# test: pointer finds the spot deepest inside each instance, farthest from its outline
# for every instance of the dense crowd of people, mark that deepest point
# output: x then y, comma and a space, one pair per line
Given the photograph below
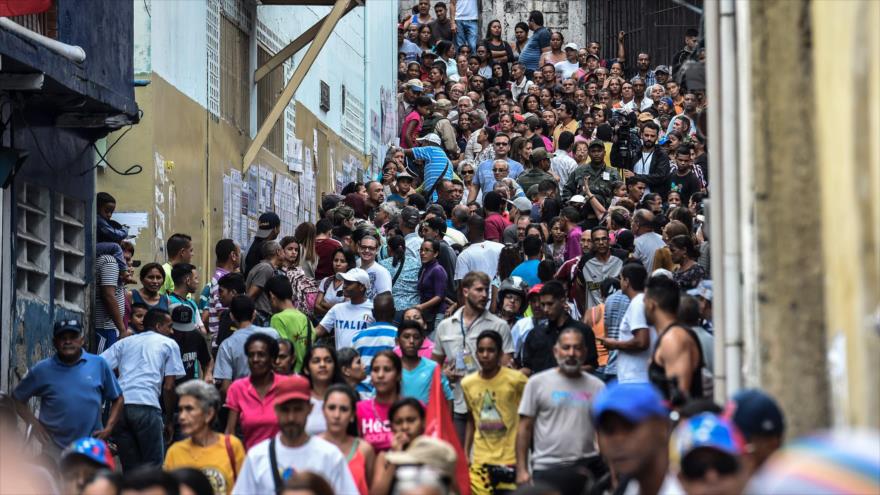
521, 302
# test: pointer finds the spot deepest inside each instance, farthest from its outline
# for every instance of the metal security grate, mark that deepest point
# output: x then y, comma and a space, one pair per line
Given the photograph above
353, 119
213, 48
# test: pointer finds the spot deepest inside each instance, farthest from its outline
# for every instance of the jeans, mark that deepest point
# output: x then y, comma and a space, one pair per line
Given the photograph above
466, 34
140, 437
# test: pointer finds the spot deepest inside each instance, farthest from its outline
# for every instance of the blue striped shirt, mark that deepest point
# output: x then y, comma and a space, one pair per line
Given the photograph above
379, 336
435, 161
615, 307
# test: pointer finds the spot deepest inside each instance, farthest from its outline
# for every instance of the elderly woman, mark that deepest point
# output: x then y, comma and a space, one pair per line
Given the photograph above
219, 457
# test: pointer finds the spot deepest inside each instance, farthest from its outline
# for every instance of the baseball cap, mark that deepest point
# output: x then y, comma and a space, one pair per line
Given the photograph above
522, 204
571, 46
703, 290
429, 53
755, 413
518, 117
404, 175
596, 142
267, 222
182, 317
442, 104
645, 116
93, 449
415, 85
431, 138
539, 154
67, 326
667, 100
531, 119
427, 451
535, 290
578, 199
592, 55
705, 430
290, 388
662, 68
634, 401
410, 217
358, 275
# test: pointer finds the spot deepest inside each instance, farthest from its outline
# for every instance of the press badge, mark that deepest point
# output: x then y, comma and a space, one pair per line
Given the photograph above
606, 176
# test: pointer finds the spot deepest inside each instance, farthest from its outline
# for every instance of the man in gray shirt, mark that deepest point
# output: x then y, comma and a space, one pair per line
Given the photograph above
601, 266
231, 363
647, 241
259, 275
556, 403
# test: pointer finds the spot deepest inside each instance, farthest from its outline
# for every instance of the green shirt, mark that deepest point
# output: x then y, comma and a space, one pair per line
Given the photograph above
600, 183
293, 325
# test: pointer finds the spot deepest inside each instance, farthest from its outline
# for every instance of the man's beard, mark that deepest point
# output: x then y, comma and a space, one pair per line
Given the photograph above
648, 144
569, 366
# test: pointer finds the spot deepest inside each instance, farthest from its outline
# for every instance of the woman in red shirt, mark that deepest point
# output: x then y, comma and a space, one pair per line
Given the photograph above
339, 412
372, 415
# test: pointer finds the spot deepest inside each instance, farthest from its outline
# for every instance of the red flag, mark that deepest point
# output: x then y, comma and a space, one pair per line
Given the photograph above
439, 425
9, 8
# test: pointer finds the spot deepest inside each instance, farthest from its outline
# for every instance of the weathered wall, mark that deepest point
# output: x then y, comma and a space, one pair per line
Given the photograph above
181, 186
848, 168
790, 309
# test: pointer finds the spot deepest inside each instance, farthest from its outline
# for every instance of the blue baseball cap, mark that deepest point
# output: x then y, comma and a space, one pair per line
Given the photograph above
67, 326
94, 449
705, 430
634, 401
755, 413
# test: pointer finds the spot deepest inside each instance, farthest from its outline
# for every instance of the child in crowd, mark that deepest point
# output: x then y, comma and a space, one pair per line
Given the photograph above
136, 322
108, 232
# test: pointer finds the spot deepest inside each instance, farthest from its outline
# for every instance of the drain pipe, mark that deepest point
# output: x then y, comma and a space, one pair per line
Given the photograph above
730, 251
71, 52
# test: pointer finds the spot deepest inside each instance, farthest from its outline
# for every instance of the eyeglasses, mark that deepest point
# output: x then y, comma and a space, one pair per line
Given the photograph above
501, 144
367, 248
424, 250
467, 172
499, 170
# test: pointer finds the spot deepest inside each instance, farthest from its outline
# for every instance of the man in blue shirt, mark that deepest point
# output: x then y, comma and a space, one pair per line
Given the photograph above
418, 372
484, 179
379, 335
537, 44
533, 248
71, 385
148, 363
437, 164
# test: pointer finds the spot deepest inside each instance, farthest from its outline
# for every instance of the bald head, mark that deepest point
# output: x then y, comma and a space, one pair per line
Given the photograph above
645, 220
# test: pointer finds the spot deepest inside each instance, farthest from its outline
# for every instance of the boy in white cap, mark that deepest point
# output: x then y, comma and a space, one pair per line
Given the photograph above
346, 319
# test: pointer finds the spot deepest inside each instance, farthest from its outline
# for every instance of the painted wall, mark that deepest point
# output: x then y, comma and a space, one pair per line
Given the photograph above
187, 154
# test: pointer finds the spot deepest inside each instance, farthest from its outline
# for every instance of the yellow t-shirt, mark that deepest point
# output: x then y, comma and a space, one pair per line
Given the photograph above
494, 406
213, 461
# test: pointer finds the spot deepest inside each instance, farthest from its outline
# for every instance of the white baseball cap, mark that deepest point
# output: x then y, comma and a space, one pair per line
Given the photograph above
571, 46
578, 199
431, 138
358, 275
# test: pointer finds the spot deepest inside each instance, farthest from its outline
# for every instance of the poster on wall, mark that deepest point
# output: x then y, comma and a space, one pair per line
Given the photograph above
375, 126
295, 155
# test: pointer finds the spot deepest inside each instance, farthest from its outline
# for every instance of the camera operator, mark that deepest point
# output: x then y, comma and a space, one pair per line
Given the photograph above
650, 163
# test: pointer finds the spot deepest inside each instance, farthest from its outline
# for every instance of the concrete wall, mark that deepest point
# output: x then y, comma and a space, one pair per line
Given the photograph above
791, 315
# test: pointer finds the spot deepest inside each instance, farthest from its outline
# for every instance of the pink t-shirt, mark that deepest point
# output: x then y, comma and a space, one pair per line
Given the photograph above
409, 118
426, 351
256, 415
573, 243
373, 424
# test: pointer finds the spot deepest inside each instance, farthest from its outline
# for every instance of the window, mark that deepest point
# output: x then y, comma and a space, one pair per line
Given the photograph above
234, 74
32, 235
68, 249
268, 90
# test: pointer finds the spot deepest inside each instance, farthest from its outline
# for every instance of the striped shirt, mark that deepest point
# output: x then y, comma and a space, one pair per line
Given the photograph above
377, 337
107, 273
435, 162
615, 307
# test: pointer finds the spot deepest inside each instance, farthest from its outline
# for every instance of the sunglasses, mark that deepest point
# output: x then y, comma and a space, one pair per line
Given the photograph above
467, 172
501, 144
499, 170
695, 467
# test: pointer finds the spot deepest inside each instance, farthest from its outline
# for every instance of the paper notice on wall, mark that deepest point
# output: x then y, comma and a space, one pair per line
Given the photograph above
134, 220
295, 155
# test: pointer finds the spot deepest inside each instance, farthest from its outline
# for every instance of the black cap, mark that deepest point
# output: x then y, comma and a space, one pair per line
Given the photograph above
67, 326
267, 222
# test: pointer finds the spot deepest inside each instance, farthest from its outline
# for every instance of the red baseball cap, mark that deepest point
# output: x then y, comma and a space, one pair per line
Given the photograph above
536, 289
292, 388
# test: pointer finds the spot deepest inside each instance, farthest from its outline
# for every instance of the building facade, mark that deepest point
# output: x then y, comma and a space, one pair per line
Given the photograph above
65, 83
202, 108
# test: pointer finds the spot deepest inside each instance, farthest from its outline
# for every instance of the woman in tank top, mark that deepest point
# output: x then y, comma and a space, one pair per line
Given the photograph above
152, 279
340, 403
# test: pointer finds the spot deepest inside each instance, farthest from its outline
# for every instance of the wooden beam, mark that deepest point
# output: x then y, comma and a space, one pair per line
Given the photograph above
299, 73
294, 46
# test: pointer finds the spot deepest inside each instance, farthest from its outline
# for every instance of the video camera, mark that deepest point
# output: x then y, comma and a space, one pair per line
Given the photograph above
627, 133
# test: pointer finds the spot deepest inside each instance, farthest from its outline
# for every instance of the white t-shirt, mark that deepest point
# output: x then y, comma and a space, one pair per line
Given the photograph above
466, 10
316, 422
380, 280
479, 257
566, 68
316, 455
347, 319
632, 367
